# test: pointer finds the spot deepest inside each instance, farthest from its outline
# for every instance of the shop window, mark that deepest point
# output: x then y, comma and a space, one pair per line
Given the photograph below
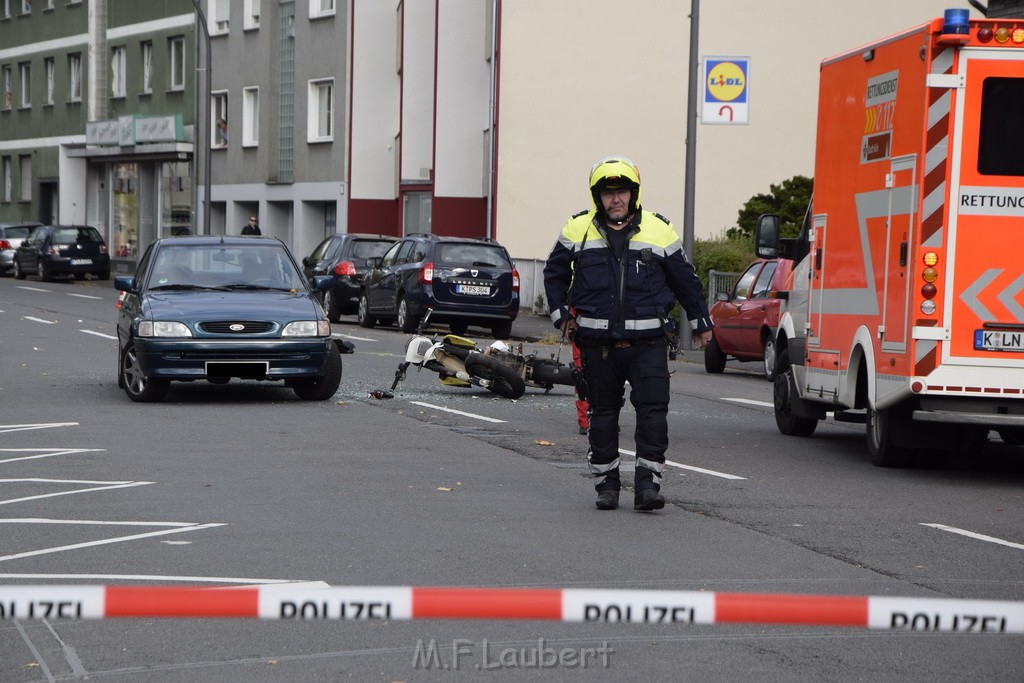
124, 209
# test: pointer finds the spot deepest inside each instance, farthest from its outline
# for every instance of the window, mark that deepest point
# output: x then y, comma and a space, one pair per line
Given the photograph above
218, 13
250, 117
321, 111
763, 285
219, 120
75, 76
8, 93
321, 8
746, 281
251, 17
48, 63
177, 50
26, 6
26, 177
8, 179
147, 67
1001, 137
7, 9
117, 72
25, 69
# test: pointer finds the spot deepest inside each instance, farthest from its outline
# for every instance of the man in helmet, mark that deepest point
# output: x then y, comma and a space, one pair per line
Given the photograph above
620, 270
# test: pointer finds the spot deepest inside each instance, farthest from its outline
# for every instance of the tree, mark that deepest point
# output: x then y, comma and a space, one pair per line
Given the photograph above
788, 200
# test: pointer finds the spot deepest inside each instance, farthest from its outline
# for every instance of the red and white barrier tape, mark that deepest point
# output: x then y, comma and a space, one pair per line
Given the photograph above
361, 603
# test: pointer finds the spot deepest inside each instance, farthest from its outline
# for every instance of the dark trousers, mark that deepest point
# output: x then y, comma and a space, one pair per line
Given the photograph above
608, 367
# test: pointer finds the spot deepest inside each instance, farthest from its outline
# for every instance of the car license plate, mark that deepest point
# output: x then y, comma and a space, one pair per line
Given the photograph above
473, 289
81, 261
998, 340
237, 368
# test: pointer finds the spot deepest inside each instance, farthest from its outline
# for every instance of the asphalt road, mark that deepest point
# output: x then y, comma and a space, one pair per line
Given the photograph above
244, 484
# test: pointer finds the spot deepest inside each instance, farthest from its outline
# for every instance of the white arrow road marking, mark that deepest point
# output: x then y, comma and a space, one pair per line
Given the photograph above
100, 334
109, 485
41, 425
766, 404
86, 296
971, 534
45, 452
40, 320
289, 583
457, 412
105, 541
713, 473
352, 336
33, 289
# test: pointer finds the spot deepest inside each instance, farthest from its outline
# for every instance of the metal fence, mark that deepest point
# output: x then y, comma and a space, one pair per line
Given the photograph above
720, 282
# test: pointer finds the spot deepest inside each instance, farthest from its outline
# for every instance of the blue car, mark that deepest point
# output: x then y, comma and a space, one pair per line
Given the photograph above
216, 308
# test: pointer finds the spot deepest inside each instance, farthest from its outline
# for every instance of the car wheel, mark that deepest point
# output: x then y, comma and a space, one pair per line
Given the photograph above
881, 446
504, 381
323, 387
363, 315
44, 271
19, 274
331, 306
502, 330
140, 388
714, 359
407, 322
770, 357
788, 423
79, 276
104, 274
458, 328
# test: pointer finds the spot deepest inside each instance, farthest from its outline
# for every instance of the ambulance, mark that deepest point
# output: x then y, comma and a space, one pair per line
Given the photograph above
906, 305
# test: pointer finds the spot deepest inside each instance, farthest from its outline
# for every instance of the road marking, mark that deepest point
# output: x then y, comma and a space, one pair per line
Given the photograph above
40, 320
100, 334
49, 452
352, 336
42, 425
766, 404
86, 296
110, 485
972, 534
106, 541
33, 289
89, 522
290, 583
457, 412
713, 473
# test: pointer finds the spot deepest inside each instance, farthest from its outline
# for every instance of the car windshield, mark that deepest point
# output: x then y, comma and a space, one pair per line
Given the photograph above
364, 249
480, 255
76, 235
218, 266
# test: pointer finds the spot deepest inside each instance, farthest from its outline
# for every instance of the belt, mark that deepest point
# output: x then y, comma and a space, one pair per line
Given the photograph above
619, 343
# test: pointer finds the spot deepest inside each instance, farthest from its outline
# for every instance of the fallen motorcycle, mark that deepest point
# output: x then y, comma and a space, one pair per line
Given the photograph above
459, 362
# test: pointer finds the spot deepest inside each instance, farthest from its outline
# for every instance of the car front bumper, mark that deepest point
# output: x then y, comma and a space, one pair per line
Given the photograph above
184, 359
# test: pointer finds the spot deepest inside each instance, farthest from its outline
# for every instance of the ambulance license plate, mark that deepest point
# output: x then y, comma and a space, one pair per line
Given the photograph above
998, 340
473, 289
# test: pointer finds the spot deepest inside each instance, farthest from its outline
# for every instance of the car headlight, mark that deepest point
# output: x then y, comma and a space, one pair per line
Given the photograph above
307, 328
163, 328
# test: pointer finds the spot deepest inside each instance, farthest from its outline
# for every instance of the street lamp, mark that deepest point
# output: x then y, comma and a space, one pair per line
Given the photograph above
201, 136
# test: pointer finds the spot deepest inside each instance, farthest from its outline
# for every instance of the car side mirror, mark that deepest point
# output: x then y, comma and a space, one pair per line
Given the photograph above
766, 243
126, 283
305, 261
374, 262
322, 283
721, 296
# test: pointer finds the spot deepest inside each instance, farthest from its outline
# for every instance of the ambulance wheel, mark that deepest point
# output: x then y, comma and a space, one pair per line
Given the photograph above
788, 423
881, 447
714, 359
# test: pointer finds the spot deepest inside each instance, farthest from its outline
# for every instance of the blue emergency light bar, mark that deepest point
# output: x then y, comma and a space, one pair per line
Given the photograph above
956, 22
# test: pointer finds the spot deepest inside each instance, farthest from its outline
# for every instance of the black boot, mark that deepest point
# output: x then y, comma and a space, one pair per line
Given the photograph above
607, 500
647, 500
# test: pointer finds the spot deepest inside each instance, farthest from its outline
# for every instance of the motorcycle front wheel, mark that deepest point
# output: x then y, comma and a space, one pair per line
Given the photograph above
503, 380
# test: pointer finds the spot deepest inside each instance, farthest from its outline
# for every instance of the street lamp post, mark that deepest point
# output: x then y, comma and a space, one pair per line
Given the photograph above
689, 188
200, 133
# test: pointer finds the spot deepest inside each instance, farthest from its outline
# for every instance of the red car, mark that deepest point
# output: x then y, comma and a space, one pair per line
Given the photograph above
745, 320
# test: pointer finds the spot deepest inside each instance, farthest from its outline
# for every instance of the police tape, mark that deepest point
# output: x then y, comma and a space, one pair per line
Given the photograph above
381, 603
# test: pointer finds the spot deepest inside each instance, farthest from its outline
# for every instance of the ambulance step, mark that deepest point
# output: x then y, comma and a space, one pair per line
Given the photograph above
854, 416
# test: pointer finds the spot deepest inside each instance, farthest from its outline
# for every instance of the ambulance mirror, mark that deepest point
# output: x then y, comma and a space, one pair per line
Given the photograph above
766, 239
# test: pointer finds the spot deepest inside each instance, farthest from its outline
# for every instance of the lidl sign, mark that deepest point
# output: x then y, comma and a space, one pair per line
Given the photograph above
725, 90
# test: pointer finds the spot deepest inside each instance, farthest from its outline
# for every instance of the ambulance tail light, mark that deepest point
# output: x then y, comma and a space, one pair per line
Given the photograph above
929, 274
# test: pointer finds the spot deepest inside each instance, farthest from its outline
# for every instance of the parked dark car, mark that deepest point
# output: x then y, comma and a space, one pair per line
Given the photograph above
464, 281
745, 319
60, 250
11, 235
346, 257
215, 308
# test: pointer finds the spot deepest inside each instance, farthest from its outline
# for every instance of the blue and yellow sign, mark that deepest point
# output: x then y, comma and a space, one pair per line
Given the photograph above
725, 90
